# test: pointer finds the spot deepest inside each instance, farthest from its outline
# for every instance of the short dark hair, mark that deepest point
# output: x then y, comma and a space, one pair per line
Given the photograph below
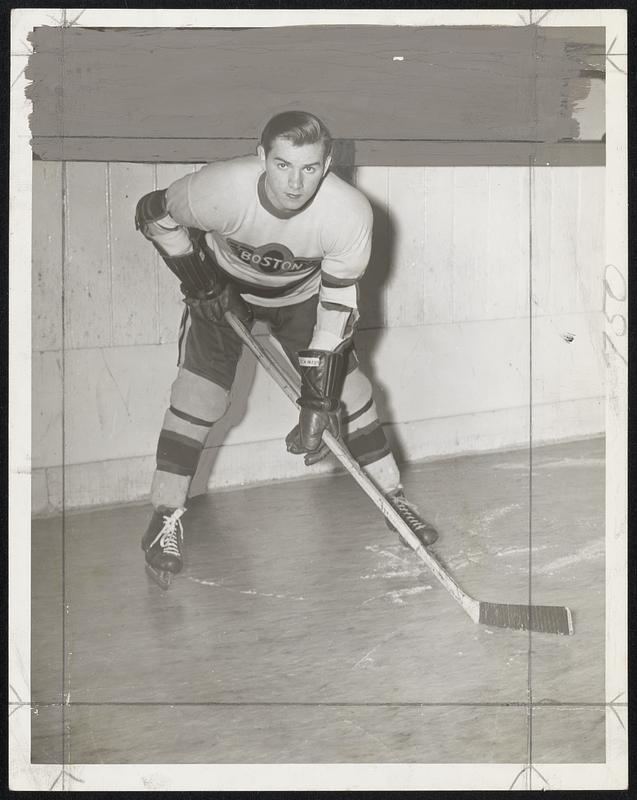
299, 127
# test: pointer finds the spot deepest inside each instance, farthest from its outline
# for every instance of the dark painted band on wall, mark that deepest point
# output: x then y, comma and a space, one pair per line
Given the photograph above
381, 153
394, 95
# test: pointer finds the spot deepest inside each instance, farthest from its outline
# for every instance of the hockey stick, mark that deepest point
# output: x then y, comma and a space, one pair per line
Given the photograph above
544, 619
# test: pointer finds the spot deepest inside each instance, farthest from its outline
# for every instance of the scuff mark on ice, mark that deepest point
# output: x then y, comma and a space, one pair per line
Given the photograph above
245, 591
490, 516
400, 573
571, 462
396, 596
376, 548
588, 553
514, 551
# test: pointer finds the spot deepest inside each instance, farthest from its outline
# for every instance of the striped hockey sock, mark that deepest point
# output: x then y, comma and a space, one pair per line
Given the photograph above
179, 448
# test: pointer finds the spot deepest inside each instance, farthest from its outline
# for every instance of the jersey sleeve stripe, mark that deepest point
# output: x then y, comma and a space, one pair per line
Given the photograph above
340, 295
330, 282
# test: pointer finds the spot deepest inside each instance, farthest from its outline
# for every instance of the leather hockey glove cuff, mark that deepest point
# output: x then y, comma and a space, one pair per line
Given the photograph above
214, 303
322, 374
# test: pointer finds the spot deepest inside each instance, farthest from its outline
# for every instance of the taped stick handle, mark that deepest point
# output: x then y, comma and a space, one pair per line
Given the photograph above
292, 390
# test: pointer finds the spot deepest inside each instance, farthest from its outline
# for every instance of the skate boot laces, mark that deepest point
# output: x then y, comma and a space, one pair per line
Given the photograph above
172, 530
408, 512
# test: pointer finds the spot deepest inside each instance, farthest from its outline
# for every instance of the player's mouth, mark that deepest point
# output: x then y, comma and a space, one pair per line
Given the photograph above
293, 196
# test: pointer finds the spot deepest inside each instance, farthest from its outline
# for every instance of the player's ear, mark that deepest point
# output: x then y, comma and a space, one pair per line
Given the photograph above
261, 152
326, 166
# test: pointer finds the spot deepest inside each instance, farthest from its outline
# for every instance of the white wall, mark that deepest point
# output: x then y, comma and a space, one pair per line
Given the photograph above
445, 331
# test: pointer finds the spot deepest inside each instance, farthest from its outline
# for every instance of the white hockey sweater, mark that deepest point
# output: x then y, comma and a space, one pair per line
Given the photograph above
278, 258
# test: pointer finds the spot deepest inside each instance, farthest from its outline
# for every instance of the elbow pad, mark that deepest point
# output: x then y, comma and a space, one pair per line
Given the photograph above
155, 223
184, 256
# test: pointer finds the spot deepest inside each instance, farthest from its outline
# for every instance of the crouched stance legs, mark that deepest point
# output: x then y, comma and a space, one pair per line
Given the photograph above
196, 403
364, 434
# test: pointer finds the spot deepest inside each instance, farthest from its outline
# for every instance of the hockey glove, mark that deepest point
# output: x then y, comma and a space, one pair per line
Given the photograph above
214, 304
322, 374
294, 445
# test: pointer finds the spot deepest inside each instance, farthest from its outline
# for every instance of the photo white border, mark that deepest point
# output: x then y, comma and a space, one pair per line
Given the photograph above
25, 776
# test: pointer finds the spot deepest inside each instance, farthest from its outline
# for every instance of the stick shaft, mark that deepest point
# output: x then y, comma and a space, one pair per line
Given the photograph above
291, 390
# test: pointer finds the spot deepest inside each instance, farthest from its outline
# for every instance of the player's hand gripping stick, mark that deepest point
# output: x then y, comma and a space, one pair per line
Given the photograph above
322, 374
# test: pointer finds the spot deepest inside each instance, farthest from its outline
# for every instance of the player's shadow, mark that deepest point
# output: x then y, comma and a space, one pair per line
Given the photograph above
371, 328
372, 323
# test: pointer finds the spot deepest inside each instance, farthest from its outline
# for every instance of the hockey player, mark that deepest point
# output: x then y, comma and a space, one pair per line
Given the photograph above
274, 237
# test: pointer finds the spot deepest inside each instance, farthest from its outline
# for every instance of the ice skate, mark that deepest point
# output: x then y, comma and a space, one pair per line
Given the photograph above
422, 530
163, 543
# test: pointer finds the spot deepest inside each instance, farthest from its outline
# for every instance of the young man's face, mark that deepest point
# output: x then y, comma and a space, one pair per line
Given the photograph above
293, 173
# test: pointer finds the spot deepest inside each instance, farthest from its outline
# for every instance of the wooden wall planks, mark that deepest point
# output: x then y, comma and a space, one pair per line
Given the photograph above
557, 274
46, 298
447, 280
507, 246
438, 264
115, 399
589, 242
133, 270
406, 201
562, 286
87, 264
471, 229
449, 243
47, 408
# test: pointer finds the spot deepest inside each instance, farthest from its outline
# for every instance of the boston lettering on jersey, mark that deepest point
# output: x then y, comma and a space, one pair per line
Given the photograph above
273, 258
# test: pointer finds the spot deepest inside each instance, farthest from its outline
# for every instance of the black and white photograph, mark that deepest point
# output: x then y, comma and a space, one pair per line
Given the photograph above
318, 400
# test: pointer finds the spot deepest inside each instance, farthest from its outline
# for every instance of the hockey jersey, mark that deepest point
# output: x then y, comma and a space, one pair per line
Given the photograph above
277, 257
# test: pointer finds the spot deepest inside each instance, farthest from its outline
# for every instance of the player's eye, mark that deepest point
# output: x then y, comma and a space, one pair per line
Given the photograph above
281, 164
310, 169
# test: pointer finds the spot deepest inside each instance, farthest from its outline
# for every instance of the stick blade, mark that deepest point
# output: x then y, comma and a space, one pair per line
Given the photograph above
543, 619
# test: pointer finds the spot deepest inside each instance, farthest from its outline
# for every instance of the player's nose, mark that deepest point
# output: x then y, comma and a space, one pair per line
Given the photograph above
295, 180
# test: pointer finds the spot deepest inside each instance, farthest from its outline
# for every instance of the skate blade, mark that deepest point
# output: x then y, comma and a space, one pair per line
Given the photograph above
163, 578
